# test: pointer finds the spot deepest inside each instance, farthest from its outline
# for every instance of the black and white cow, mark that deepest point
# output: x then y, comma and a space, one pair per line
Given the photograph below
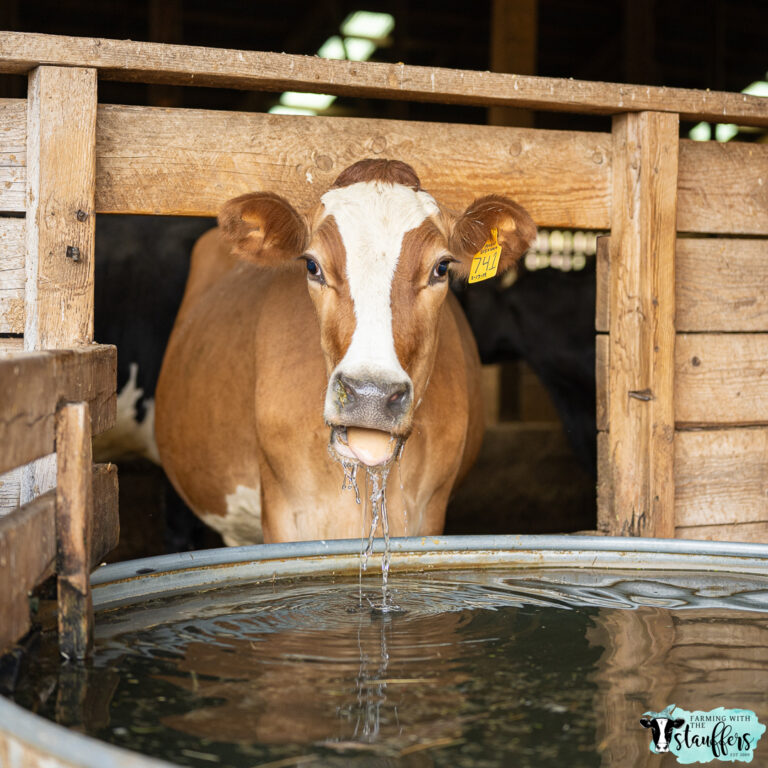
141, 270
661, 730
547, 318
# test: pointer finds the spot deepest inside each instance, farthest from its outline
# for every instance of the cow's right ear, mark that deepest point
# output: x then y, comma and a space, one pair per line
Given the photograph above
264, 228
645, 722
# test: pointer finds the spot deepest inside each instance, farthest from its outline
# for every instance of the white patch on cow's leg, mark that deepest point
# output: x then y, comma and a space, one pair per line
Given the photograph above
242, 523
372, 218
129, 438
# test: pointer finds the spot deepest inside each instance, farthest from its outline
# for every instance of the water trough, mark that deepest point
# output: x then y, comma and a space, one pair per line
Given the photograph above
542, 650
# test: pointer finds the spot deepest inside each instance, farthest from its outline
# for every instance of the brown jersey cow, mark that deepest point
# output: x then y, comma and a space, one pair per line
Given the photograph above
307, 346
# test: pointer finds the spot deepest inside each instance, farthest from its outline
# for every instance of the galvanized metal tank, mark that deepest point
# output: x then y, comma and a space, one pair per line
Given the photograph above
27, 740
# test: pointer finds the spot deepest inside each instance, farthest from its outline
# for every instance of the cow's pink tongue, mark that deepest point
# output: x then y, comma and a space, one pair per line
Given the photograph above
371, 446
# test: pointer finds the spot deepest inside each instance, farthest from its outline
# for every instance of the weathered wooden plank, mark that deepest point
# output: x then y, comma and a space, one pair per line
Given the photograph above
191, 65
602, 379
606, 518
10, 491
61, 161
33, 385
12, 275
74, 513
28, 548
723, 187
190, 162
749, 532
27, 552
13, 154
642, 334
106, 520
721, 379
721, 477
721, 284
603, 285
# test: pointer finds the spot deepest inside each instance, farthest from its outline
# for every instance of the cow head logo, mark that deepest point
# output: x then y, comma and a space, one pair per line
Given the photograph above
661, 724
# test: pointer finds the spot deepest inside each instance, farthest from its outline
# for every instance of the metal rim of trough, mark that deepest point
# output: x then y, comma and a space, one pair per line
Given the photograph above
135, 580
23, 734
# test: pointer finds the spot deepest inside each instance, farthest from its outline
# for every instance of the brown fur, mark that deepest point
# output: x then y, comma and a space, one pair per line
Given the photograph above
263, 227
388, 171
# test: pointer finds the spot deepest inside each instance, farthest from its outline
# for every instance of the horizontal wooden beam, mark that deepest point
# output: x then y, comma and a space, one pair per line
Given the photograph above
12, 275
190, 162
721, 477
34, 384
126, 60
721, 379
28, 548
723, 187
721, 284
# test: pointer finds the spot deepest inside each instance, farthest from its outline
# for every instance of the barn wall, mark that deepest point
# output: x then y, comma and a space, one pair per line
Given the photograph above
720, 364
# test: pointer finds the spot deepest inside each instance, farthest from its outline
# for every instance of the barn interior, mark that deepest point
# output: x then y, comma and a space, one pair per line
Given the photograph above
536, 473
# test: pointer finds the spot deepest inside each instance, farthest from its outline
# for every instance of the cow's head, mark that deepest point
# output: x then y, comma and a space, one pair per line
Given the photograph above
378, 252
661, 730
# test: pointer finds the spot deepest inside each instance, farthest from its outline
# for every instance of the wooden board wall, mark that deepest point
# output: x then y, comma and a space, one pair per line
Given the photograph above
721, 389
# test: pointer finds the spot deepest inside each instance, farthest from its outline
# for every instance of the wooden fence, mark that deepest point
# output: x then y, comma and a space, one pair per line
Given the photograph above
682, 313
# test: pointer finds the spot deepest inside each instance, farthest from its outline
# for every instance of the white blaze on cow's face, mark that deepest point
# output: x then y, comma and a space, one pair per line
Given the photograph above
372, 218
374, 291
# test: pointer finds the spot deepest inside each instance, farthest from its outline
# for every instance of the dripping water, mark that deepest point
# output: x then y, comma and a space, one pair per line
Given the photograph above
398, 459
376, 497
350, 478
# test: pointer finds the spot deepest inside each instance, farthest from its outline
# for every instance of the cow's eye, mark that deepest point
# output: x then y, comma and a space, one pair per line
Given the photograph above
313, 270
441, 269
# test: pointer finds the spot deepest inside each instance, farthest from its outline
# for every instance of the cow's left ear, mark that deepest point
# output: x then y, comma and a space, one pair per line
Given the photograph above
516, 232
264, 228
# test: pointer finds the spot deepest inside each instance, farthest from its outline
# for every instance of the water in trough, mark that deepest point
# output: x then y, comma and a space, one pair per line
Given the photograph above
483, 667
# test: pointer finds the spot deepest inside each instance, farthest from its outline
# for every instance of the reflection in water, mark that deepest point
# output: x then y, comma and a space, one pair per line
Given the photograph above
535, 668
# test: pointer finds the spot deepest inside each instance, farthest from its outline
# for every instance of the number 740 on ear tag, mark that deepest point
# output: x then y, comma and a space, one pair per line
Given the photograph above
486, 261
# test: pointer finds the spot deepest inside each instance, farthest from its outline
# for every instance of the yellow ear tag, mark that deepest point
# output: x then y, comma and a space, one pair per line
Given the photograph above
486, 261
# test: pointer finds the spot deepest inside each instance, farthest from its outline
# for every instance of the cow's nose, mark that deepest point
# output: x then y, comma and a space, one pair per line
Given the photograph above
375, 404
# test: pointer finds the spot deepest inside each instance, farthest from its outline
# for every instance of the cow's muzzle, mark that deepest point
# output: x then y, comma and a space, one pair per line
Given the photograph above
369, 404
369, 419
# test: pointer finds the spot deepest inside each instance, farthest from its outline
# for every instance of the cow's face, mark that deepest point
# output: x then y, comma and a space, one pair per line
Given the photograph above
378, 252
661, 730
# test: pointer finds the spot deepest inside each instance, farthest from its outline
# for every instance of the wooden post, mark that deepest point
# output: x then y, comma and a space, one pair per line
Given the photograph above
74, 520
60, 224
514, 49
642, 324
